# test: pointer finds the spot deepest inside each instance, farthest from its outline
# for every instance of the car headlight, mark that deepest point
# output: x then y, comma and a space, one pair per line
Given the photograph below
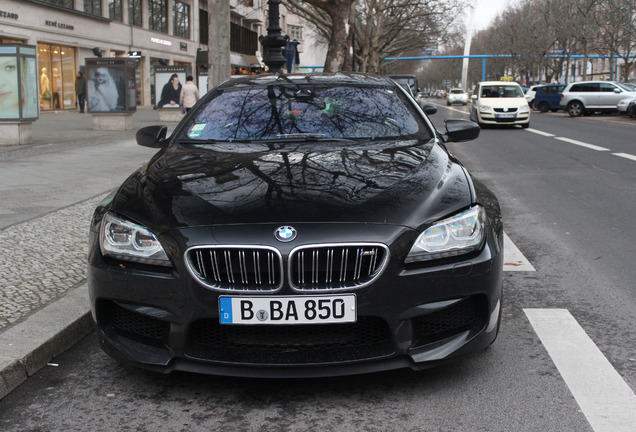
485, 109
127, 241
524, 109
459, 234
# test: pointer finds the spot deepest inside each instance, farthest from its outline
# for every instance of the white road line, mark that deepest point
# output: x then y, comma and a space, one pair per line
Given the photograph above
608, 403
449, 108
540, 132
625, 155
582, 144
513, 258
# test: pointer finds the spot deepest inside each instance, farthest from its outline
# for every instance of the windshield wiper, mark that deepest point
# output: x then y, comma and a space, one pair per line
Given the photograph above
304, 137
213, 141
282, 138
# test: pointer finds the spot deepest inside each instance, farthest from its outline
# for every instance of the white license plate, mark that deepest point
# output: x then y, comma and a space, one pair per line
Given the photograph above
509, 115
288, 310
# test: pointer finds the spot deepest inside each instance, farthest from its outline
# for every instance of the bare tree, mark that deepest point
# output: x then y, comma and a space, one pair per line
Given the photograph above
377, 28
392, 28
332, 18
617, 35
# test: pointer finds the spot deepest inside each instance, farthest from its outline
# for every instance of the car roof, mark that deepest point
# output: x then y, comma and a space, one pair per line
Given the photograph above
317, 78
594, 82
499, 83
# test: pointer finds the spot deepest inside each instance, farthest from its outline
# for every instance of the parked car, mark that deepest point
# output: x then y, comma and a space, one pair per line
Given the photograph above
586, 97
631, 109
623, 104
457, 95
530, 94
548, 97
298, 225
408, 81
499, 102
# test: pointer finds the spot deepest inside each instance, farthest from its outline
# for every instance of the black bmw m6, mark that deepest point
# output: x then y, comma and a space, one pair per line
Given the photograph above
294, 226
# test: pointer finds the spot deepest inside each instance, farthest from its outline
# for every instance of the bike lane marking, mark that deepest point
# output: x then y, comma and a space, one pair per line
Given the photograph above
625, 155
514, 260
608, 403
582, 144
538, 132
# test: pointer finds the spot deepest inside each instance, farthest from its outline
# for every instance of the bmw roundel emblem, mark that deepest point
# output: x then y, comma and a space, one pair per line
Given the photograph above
285, 234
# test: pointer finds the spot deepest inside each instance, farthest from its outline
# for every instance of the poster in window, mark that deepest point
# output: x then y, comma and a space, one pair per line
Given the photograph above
168, 83
9, 88
29, 83
108, 85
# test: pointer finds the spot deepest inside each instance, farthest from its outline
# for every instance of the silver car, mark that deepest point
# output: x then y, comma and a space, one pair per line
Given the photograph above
457, 95
586, 97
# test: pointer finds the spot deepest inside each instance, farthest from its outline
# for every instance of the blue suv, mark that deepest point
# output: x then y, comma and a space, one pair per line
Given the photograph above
548, 97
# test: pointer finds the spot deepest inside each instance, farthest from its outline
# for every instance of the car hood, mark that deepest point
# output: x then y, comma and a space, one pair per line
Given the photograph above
401, 182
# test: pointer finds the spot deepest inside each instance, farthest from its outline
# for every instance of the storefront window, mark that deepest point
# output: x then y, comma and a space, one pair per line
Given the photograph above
181, 19
56, 68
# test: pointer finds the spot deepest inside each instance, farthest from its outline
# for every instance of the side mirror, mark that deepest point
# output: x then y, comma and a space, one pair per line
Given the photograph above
461, 130
429, 109
617, 90
152, 136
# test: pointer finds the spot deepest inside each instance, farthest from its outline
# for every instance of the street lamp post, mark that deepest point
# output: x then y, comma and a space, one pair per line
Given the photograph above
274, 42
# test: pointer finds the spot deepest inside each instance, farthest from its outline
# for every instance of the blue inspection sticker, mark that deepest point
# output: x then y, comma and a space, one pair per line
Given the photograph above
225, 310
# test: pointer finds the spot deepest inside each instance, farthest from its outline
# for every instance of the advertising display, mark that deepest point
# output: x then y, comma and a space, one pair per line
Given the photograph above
18, 83
110, 85
168, 83
203, 82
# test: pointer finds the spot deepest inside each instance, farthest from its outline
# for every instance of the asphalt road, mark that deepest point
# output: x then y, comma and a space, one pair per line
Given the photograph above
569, 208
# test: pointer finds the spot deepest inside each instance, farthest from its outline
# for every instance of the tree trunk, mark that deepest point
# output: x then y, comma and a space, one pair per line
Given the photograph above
219, 67
338, 11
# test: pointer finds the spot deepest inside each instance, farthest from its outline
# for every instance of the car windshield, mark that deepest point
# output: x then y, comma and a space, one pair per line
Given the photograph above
626, 87
501, 91
457, 91
296, 112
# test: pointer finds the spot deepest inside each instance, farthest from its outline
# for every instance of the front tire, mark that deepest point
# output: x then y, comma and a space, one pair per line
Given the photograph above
525, 125
575, 109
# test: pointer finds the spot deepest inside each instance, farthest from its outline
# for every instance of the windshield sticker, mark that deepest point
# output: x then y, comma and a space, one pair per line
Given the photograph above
196, 130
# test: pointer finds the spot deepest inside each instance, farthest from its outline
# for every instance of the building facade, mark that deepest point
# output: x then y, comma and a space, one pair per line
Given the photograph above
157, 33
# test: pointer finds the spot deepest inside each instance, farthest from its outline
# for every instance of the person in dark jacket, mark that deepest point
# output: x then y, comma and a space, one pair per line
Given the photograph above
171, 93
80, 90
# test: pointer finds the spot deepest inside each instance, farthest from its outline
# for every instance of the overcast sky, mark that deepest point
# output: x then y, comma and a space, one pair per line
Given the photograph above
487, 10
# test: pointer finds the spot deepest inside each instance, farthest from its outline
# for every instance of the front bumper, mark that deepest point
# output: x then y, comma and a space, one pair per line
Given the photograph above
408, 318
500, 118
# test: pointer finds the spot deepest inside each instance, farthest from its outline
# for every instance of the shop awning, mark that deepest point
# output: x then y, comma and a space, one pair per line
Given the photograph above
236, 60
244, 60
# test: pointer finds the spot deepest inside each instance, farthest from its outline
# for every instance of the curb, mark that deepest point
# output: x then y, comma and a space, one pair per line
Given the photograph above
27, 347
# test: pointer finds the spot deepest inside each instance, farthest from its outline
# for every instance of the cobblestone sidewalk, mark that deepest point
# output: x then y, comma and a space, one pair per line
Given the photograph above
42, 260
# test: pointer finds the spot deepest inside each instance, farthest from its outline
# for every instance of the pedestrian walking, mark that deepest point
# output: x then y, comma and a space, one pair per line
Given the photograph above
80, 90
189, 94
